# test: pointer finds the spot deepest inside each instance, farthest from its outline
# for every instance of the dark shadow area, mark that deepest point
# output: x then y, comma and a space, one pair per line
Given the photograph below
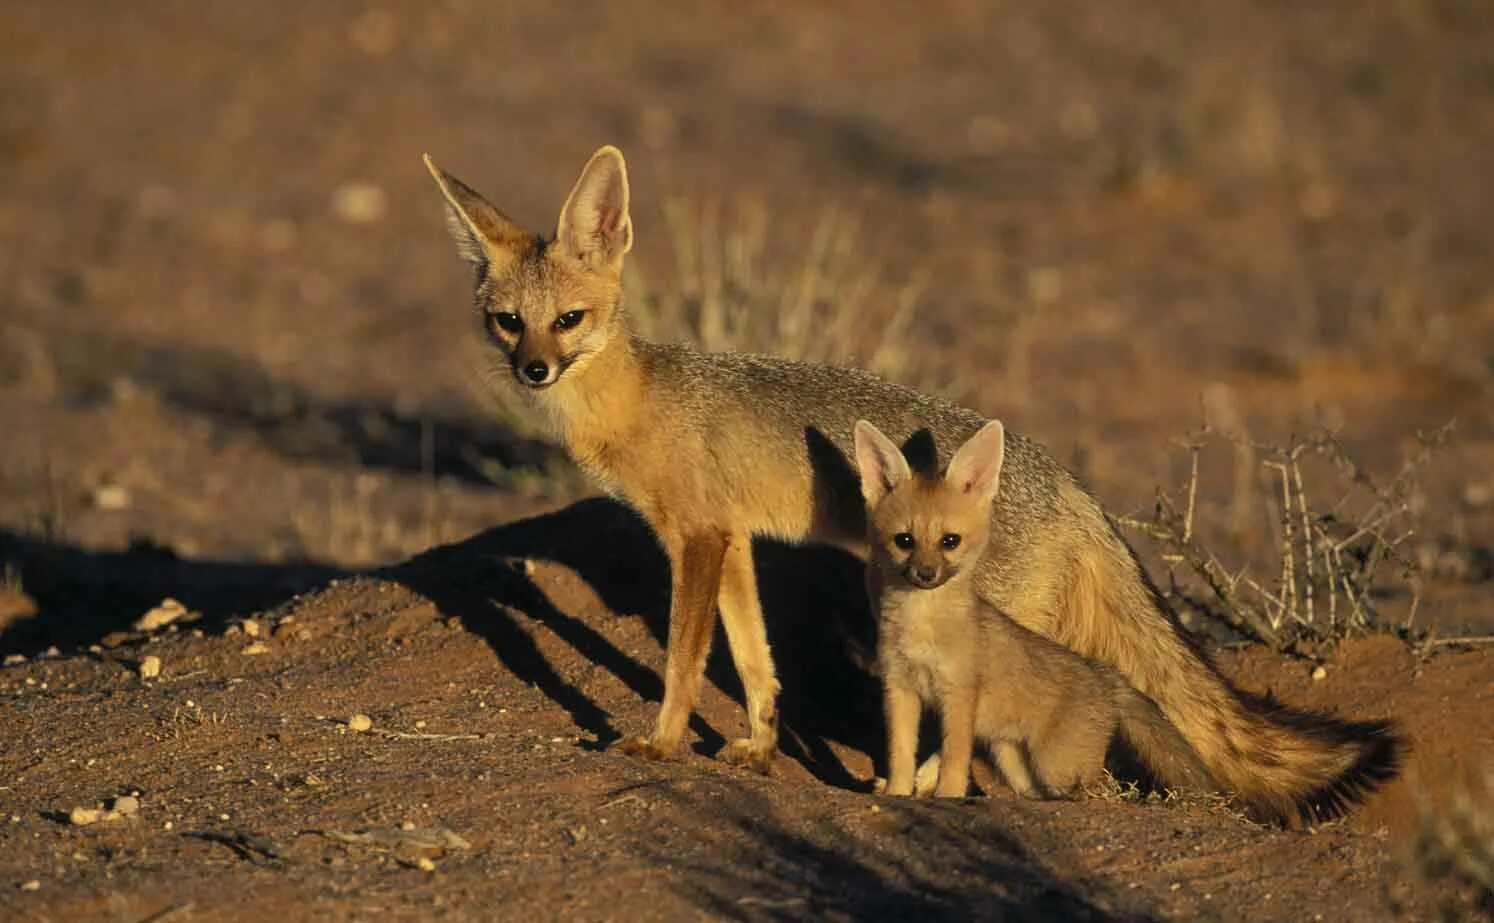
231, 391
819, 627
739, 860
82, 596
481, 581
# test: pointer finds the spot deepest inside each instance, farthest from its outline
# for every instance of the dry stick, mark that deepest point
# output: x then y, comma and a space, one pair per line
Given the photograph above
406, 735
1359, 618
1307, 545
1240, 615
1332, 583
1473, 639
1288, 559
1192, 494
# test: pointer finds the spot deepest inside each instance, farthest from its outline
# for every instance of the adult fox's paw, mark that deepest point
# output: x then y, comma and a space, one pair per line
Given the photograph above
646, 748
749, 755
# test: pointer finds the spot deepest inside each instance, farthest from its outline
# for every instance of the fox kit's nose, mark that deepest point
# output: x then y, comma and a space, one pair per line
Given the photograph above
923, 575
536, 372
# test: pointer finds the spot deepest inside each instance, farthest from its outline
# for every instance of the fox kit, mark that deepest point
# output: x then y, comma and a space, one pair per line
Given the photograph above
715, 449
1046, 714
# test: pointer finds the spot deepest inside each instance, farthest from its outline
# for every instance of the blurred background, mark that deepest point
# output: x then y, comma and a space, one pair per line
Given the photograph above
236, 335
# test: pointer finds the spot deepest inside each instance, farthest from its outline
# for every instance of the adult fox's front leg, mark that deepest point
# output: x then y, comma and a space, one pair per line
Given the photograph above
695, 560
746, 633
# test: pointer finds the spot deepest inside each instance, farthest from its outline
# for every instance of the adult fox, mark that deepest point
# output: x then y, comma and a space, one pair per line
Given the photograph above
715, 449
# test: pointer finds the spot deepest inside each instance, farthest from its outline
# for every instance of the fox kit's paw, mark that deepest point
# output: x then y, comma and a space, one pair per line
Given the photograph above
927, 777
747, 754
646, 748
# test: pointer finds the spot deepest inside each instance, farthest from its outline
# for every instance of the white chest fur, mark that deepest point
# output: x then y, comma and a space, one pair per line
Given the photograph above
930, 632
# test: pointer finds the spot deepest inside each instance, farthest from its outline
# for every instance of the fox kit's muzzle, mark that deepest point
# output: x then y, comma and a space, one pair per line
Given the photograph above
925, 576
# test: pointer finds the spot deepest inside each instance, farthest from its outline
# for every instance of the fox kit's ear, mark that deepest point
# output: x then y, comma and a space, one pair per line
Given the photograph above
880, 462
595, 228
976, 467
483, 234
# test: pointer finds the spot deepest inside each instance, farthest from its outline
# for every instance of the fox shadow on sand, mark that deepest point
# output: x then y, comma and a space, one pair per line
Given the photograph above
819, 624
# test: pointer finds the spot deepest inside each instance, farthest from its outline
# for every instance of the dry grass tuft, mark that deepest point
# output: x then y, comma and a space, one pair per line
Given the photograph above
820, 299
1331, 562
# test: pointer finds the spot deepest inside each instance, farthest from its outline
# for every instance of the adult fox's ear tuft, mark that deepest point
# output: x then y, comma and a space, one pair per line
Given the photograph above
484, 235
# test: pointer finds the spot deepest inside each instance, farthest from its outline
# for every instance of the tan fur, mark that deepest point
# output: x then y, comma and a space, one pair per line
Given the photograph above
712, 448
1047, 714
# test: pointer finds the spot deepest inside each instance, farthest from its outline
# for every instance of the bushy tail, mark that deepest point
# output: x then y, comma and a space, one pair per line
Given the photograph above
1159, 746
1279, 764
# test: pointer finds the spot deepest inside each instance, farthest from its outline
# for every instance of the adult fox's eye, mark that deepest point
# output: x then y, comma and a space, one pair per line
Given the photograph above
509, 322
569, 319
903, 540
949, 542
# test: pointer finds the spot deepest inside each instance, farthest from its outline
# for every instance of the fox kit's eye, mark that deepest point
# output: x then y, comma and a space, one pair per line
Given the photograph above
569, 319
949, 542
903, 540
508, 321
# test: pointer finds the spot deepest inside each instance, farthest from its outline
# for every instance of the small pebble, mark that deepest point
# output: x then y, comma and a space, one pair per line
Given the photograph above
83, 817
1319, 673
127, 805
425, 865
162, 615
360, 723
258, 647
111, 497
150, 667
32, 885
407, 825
251, 628
167, 826
13, 659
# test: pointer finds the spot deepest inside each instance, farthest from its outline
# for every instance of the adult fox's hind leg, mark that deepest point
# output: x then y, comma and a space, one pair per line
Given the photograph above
695, 561
746, 634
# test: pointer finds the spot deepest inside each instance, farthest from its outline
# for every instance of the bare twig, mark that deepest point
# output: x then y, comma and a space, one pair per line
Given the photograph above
1307, 544
1322, 559
1451, 642
169, 913
406, 735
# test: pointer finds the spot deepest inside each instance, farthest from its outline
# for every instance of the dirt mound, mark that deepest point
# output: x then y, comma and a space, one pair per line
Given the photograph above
494, 674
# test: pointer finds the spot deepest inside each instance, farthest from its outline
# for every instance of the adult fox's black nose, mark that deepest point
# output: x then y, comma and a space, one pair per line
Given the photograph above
926, 574
536, 371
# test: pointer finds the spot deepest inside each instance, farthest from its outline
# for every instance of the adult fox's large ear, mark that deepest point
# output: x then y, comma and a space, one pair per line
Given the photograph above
976, 467
595, 228
483, 234
880, 462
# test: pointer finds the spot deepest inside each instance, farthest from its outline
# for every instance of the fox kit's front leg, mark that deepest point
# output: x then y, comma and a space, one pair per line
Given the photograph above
903, 711
957, 716
695, 560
